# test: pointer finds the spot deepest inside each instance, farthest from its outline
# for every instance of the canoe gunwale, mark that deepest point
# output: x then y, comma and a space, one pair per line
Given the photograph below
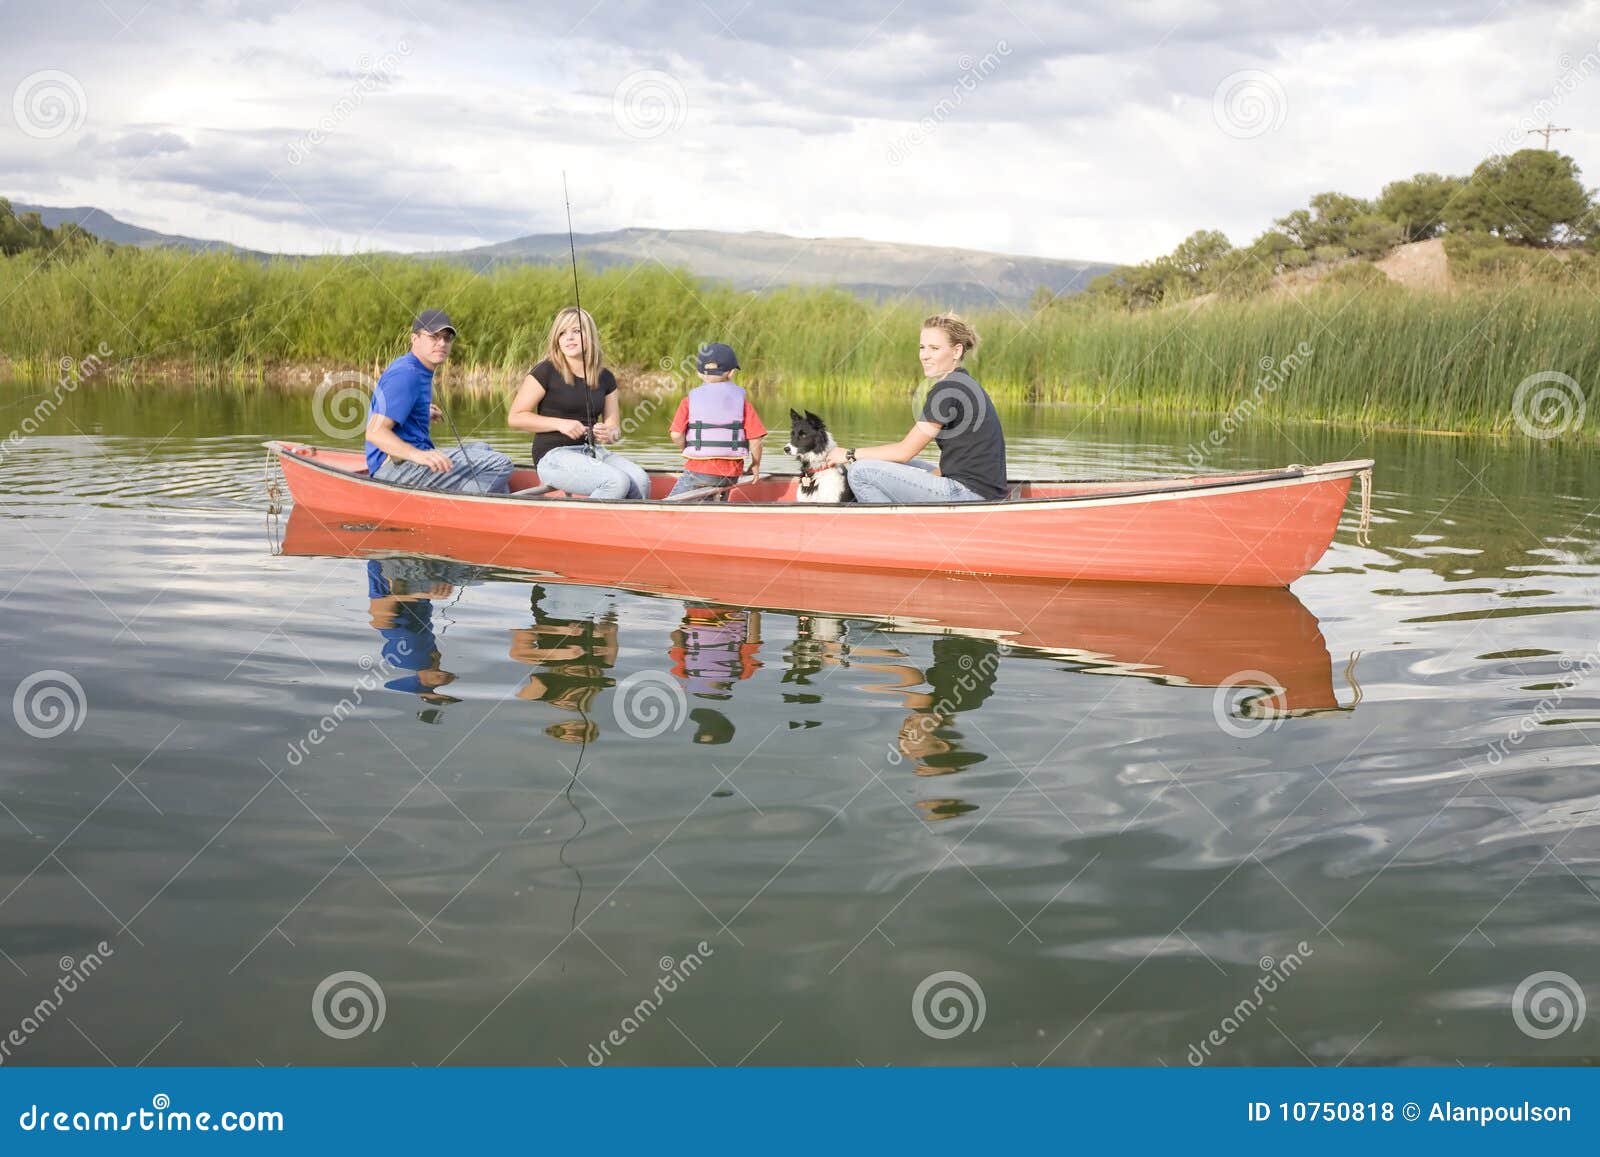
1163, 491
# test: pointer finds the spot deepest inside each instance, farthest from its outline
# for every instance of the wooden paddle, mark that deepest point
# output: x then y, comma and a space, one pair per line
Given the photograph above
708, 491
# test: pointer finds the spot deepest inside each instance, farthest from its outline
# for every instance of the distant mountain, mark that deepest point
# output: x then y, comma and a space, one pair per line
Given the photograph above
106, 227
875, 269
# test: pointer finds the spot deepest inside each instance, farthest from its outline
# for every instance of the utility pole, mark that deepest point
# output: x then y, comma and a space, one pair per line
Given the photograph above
1547, 130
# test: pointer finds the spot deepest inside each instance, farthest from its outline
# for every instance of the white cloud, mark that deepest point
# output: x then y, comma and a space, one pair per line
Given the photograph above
1093, 135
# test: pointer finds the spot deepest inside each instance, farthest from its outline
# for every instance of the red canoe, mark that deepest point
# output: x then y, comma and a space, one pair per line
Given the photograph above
1264, 528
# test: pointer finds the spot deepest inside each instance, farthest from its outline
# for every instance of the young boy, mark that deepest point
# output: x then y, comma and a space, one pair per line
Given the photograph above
716, 427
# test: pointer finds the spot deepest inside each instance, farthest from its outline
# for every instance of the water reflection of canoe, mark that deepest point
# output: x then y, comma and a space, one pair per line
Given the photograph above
1265, 528
1208, 636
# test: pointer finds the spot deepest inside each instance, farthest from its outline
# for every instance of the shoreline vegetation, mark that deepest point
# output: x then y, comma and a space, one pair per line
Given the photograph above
1368, 355
1308, 324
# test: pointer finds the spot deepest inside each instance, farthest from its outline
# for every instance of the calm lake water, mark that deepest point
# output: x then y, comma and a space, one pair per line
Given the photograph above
549, 823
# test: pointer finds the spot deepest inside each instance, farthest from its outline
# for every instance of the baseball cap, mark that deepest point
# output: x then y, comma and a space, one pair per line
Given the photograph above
716, 358
432, 321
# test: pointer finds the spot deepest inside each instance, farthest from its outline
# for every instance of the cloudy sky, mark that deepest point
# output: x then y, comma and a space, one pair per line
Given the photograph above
1096, 130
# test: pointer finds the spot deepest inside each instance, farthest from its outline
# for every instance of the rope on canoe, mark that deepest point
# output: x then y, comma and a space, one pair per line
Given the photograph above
275, 498
274, 491
1350, 680
1364, 527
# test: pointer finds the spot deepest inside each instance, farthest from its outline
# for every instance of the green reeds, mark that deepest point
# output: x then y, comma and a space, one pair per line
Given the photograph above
1369, 356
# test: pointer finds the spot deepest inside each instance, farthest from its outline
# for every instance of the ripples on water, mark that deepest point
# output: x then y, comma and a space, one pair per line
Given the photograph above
841, 791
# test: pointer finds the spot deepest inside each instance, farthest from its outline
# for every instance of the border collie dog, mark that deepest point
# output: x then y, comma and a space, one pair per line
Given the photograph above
810, 442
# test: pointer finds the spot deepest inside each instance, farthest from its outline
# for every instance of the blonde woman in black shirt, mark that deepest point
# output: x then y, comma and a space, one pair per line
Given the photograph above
956, 413
568, 402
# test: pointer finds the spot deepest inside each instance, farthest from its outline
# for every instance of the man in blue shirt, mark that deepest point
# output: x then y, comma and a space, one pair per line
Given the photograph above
398, 447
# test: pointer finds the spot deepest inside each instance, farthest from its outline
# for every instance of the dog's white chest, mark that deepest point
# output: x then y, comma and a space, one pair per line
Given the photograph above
825, 486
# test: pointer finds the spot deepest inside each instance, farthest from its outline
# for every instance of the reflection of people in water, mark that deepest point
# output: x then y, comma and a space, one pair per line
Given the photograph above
820, 641
960, 679
574, 640
712, 649
401, 593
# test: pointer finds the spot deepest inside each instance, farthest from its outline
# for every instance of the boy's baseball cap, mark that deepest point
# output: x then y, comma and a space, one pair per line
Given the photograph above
716, 358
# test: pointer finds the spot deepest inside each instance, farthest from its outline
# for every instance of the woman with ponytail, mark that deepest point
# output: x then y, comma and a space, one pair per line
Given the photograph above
957, 414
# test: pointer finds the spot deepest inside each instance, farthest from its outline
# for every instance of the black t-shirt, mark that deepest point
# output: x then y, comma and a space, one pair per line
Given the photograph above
972, 447
567, 401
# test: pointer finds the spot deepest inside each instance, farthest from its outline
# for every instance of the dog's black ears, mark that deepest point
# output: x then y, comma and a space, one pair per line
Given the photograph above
794, 415
813, 417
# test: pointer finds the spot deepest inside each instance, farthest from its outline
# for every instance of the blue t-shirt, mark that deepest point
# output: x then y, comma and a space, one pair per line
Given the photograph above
409, 644
404, 393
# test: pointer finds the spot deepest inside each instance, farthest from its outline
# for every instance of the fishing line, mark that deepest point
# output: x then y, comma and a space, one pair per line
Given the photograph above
444, 611
465, 457
583, 820
583, 352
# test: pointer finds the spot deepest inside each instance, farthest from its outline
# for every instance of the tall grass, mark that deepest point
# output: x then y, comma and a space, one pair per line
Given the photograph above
1378, 355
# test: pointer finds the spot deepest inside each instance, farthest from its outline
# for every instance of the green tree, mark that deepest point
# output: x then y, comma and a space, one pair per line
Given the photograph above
1198, 253
1418, 205
1372, 236
27, 233
1139, 286
1336, 212
1299, 228
1327, 222
1532, 197
1242, 273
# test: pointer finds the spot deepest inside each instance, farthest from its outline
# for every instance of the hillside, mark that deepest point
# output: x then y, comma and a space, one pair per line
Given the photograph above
1419, 265
108, 228
879, 270
876, 269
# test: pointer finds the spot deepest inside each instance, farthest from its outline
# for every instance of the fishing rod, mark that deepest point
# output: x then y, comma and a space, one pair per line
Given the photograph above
465, 457
577, 299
